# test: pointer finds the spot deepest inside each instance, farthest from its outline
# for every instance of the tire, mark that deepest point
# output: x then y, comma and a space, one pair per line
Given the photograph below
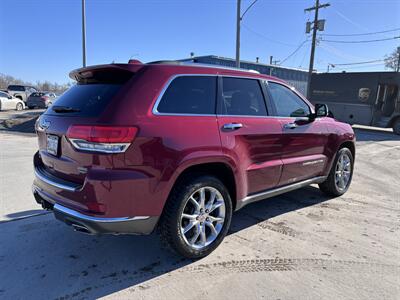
333, 186
173, 222
19, 107
396, 126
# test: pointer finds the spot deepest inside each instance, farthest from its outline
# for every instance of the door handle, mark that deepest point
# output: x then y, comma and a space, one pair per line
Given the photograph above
233, 126
290, 125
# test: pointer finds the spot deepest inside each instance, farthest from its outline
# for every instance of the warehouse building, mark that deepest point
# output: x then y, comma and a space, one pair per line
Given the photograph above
295, 77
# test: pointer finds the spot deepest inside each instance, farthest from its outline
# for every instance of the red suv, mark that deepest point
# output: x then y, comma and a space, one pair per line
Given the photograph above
134, 147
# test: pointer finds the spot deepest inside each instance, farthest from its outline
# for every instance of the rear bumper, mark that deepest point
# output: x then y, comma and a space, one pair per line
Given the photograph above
96, 225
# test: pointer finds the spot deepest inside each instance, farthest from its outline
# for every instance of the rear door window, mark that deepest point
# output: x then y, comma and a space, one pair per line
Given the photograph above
87, 100
242, 96
189, 95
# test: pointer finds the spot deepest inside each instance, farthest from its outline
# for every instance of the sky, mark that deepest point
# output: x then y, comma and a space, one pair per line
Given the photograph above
41, 39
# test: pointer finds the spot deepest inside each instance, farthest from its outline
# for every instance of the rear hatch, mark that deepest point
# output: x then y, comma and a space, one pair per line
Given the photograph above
36, 98
80, 110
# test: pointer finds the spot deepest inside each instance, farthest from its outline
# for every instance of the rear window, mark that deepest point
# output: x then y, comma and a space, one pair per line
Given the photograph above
16, 88
87, 100
37, 94
189, 95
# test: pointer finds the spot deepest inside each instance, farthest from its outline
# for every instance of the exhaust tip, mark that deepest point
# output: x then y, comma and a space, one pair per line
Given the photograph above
81, 228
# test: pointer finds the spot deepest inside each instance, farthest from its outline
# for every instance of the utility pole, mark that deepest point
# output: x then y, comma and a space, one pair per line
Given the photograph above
317, 24
398, 60
238, 19
83, 34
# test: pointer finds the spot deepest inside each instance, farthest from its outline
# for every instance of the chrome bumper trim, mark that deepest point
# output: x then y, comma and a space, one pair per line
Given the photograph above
83, 217
56, 182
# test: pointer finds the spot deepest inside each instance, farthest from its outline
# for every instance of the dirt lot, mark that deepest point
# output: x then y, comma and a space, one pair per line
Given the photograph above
301, 245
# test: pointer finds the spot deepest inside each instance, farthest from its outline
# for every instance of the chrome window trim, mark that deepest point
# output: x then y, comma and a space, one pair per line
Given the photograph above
78, 215
164, 89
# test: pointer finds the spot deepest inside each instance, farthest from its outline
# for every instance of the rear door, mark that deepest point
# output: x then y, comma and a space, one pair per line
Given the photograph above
248, 135
303, 142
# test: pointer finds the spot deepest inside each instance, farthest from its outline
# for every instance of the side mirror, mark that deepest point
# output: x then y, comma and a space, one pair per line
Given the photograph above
321, 110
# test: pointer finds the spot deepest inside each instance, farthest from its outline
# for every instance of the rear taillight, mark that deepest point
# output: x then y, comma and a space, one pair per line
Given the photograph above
106, 139
44, 98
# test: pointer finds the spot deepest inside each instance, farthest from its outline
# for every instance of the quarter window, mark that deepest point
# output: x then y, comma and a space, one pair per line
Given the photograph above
286, 102
189, 95
242, 97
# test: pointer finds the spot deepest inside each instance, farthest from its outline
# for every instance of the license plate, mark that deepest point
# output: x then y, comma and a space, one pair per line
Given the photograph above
52, 144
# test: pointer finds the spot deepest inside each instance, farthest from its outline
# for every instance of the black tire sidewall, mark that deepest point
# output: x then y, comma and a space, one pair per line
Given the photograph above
182, 196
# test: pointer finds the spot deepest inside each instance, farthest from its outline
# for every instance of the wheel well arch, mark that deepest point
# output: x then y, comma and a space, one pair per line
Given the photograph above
393, 120
220, 170
350, 145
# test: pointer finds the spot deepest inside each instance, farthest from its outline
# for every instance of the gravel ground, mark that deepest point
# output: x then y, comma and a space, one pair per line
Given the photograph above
300, 245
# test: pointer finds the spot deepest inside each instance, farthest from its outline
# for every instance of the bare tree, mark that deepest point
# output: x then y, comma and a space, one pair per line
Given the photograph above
6, 80
392, 61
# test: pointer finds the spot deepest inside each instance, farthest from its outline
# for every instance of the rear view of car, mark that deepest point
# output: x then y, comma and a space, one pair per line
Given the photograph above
40, 100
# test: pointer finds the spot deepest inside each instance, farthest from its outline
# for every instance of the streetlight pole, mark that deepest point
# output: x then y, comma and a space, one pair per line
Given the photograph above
83, 34
238, 20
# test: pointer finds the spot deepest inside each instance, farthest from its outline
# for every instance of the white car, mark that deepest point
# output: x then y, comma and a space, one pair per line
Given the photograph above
9, 102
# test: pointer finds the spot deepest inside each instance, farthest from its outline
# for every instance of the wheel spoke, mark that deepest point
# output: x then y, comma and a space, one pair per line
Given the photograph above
190, 217
215, 219
196, 234
203, 237
216, 205
212, 228
210, 202
202, 198
196, 204
189, 226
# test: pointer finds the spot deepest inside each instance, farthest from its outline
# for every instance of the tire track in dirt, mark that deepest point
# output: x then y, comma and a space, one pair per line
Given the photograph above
147, 278
284, 264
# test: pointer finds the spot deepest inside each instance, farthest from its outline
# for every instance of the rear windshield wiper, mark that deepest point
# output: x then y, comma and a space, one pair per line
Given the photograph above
65, 109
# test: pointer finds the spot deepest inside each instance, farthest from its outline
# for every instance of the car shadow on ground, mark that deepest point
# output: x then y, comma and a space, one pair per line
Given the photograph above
56, 262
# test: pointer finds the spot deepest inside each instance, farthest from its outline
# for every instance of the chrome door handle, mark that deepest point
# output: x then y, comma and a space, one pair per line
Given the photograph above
233, 126
290, 125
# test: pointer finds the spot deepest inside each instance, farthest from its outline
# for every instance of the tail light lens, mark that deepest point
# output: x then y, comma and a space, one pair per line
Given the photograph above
44, 98
105, 139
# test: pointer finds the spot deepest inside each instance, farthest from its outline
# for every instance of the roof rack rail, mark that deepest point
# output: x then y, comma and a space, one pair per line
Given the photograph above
165, 62
195, 64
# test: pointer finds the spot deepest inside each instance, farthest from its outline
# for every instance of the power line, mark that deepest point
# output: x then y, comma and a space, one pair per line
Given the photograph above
359, 63
265, 37
362, 41
294, 52
361, 34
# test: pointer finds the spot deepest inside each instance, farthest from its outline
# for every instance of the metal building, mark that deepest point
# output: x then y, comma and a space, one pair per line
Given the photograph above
295, 77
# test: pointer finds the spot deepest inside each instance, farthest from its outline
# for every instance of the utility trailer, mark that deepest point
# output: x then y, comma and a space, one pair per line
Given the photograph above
365, 98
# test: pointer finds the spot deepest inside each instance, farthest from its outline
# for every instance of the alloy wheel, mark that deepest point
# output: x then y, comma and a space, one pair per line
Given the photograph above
343, 172
203, 217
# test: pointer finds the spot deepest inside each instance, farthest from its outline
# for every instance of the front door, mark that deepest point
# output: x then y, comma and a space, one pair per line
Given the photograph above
248, 135
303, 142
